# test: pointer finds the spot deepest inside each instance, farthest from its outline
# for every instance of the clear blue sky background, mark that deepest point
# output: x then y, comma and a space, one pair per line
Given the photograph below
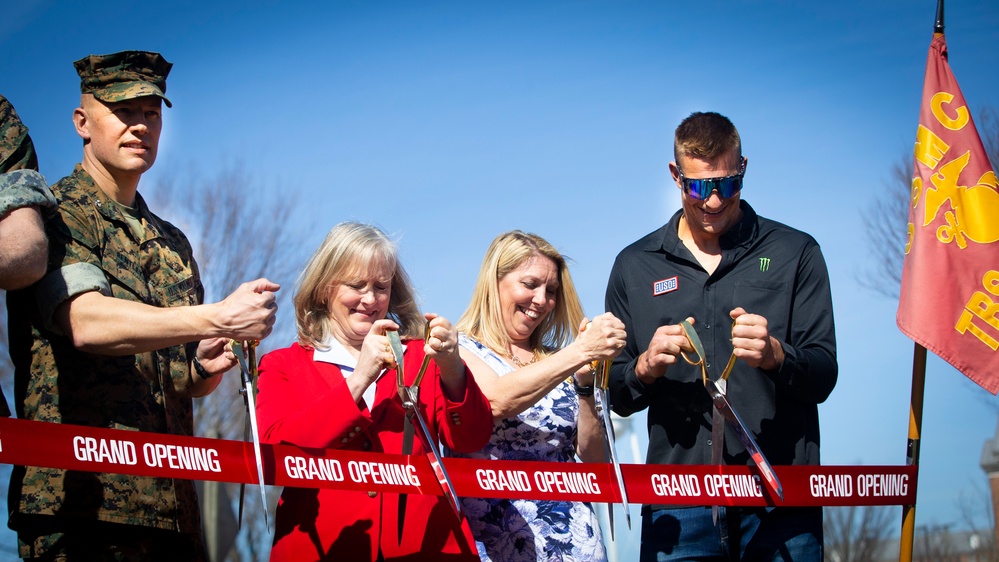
447, 123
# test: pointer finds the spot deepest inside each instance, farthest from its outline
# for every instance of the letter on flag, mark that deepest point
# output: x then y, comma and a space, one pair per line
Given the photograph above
950, 282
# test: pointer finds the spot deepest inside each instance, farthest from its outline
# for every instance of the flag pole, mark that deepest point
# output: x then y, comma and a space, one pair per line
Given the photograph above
916, 403
912, 447
928, 246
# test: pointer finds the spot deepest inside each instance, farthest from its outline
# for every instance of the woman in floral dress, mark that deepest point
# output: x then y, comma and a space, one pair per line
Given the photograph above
516, 337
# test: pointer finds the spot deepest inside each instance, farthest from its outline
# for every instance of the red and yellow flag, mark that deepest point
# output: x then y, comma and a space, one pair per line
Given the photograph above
950, 282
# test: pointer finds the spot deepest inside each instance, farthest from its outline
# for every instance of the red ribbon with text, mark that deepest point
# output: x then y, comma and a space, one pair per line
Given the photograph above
90, 449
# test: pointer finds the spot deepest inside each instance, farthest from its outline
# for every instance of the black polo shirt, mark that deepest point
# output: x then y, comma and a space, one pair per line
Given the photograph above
768, 269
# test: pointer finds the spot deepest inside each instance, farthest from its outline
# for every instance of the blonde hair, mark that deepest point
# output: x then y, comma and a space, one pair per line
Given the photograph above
483, 318
351, 248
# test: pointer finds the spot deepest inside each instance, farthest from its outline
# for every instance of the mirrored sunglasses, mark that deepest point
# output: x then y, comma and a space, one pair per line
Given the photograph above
701, 188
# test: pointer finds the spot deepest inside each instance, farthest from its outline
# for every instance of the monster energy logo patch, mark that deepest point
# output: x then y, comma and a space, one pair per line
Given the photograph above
764, 264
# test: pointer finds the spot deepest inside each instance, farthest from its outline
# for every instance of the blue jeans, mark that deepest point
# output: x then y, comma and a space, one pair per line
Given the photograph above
742, 534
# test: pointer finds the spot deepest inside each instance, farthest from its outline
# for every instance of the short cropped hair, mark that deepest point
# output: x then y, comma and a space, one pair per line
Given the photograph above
483, 319
348, 251
705, 135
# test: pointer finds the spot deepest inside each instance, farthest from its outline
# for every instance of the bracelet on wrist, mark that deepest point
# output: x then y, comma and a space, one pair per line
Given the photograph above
202, 371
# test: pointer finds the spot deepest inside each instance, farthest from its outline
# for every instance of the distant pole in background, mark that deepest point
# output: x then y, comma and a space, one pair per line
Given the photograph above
217, 517
612, 554
209, 515
626, 429
990, 464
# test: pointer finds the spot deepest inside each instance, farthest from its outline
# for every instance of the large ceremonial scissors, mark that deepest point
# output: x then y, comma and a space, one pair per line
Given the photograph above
410, 396
246, 355
601, 393
716, 390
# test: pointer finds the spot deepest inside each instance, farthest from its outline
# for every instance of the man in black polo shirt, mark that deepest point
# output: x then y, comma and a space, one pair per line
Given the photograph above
752, 287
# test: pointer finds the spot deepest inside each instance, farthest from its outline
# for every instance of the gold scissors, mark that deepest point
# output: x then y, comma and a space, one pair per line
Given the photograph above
410, 396
725, 411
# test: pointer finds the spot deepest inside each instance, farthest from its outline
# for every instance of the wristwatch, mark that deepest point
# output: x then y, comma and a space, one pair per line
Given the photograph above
202, 372
582, 390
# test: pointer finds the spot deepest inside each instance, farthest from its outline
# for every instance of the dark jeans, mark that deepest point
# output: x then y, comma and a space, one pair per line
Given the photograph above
742, 534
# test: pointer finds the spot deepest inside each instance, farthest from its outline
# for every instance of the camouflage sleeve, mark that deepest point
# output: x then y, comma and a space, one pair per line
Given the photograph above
74, 264
60, 285
24, 188
17, 152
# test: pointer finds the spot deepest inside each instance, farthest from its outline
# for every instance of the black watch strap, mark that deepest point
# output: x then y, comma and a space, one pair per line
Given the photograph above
202, 372
582, 390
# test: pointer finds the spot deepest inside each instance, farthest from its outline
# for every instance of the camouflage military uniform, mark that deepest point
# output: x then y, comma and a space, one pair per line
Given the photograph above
95, 246
20, 183
16, 149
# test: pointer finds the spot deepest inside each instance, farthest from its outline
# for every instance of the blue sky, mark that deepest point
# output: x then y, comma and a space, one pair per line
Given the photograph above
446, 123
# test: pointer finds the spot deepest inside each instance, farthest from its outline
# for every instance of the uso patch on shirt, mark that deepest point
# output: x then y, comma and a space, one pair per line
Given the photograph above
664, 286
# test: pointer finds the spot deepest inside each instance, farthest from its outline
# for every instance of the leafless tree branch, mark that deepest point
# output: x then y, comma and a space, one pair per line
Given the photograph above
240, 231
856, 533
885, 220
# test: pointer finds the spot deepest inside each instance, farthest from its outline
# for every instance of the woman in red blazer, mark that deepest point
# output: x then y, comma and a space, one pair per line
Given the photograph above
336, 388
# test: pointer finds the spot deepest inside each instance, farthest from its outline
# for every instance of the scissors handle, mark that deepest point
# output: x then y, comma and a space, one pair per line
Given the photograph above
395, 344
426, 358
601, 373
695, 342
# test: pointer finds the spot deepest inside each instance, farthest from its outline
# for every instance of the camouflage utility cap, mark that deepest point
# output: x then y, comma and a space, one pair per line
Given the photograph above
124, 76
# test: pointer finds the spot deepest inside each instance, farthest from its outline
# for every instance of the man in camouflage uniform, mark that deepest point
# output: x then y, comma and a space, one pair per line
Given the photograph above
116, 336
22, 193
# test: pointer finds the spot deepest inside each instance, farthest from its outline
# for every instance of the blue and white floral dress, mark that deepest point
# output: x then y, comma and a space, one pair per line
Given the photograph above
532, 530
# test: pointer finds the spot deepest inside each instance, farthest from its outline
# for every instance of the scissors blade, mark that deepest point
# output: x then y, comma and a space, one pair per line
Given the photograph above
442, 477
608, 453
251, 414
407, 449
406, 397
733, 419
610, 448
602, 397
718, 425
242, 485
415, 389
717, 439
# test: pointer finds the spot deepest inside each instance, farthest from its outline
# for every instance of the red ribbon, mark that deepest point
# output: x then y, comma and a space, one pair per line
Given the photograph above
92, 449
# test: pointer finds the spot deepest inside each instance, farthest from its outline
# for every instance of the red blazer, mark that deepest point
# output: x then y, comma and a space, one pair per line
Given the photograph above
307, 403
